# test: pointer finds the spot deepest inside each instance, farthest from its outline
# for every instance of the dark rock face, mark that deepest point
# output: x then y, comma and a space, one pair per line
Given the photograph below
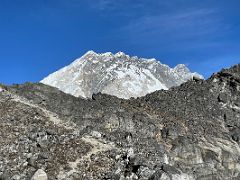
188, 132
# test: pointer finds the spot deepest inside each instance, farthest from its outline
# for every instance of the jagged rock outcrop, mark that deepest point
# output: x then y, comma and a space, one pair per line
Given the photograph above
117, 74
188, 132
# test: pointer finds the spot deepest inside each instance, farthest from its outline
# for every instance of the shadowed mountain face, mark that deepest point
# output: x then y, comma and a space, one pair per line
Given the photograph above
188, 132
117, 74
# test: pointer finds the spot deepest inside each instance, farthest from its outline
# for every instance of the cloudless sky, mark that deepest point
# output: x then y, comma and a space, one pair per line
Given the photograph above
37, 37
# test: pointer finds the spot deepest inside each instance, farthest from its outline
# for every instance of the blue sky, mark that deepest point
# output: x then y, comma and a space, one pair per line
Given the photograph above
38, 37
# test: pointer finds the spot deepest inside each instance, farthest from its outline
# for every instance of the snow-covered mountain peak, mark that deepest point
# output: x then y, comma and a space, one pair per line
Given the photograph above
181, 68
117, 74
120, 54
90, 53
107, 54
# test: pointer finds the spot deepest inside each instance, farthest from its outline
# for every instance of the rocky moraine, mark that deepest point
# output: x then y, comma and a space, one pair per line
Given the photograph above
189, 132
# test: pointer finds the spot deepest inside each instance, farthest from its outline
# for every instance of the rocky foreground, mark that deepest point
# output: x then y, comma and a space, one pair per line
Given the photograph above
188, 132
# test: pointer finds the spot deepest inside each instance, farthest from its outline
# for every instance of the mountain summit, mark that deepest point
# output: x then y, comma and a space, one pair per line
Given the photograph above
117, 74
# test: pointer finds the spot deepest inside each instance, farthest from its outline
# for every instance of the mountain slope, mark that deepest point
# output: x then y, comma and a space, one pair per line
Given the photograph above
189, 132
117, 74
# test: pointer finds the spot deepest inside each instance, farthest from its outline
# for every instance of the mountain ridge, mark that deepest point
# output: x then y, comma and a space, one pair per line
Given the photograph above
117, 74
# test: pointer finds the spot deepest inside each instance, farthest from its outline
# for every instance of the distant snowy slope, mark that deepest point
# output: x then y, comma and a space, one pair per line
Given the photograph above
117, 74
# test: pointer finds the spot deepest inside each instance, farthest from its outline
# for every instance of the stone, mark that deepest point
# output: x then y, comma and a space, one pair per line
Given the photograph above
40, 175
16, 177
